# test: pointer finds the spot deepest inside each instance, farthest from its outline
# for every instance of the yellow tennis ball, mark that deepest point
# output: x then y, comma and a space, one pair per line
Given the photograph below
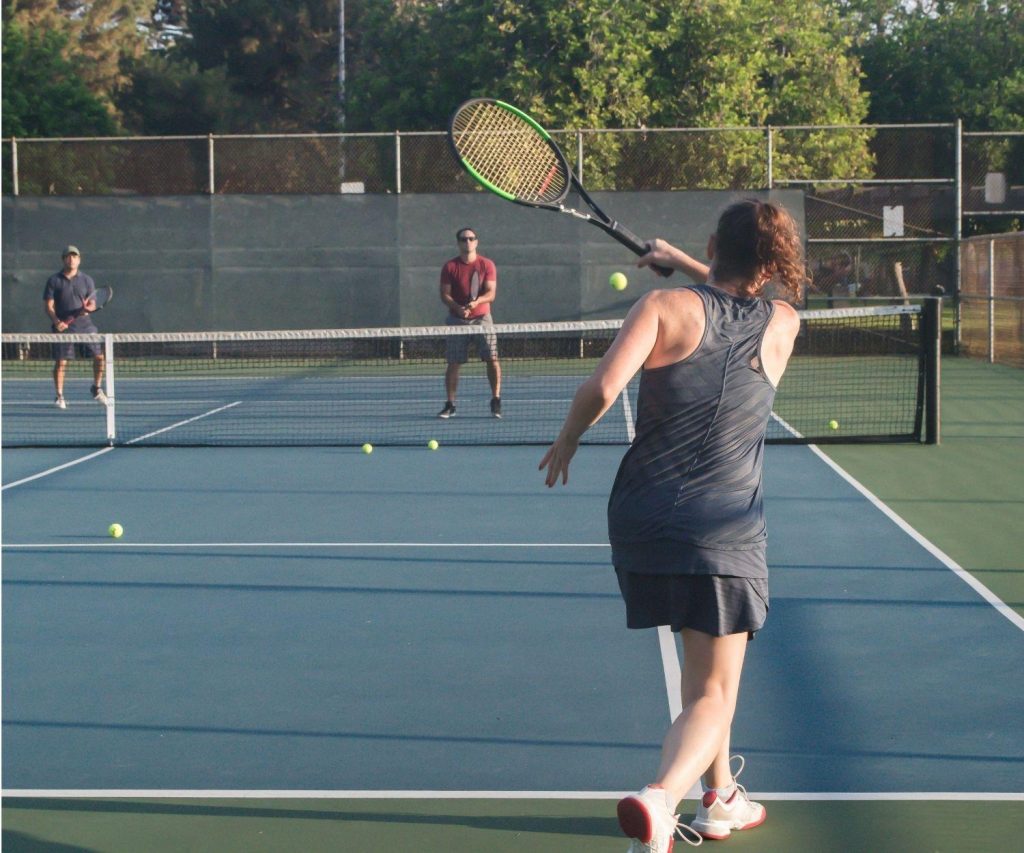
432, 444
116, 530
367, 448
618, 281
833, 424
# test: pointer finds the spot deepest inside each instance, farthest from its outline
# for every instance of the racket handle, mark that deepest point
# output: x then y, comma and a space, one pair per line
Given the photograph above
628, 239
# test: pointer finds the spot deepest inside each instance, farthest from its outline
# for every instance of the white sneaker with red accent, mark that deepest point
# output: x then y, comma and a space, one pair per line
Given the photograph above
647, 818
717, 818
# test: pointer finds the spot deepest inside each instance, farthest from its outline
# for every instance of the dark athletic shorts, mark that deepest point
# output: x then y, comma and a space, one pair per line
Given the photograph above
65, 352
457, 348
713, 604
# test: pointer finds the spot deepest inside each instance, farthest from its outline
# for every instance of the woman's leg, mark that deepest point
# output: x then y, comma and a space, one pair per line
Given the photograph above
719, 774
698, 740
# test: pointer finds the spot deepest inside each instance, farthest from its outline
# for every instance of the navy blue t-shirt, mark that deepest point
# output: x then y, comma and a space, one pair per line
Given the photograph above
68, 297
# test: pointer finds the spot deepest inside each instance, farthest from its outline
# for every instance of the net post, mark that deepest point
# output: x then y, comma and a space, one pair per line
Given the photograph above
108, 351
211, 183
991, 301
931, 318
14, 164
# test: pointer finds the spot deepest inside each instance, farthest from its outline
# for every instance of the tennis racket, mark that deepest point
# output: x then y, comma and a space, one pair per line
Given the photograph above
98, 299
510, 154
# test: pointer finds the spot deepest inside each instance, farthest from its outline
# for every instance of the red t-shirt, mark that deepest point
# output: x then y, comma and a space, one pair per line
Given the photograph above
467, 281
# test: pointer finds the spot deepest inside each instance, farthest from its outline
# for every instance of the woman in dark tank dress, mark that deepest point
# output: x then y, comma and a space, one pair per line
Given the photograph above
685, 516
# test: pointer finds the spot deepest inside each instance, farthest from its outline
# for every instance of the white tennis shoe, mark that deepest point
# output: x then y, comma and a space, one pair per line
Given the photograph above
717, 818
59, 402
647, 818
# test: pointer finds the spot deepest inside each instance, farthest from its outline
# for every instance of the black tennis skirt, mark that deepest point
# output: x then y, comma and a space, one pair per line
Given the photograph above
712, 604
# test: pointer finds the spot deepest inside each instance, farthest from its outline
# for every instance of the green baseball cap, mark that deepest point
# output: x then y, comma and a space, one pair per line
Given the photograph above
70, 250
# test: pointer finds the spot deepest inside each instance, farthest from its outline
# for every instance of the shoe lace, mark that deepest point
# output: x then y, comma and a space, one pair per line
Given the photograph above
687, 833
742, 762
735, 776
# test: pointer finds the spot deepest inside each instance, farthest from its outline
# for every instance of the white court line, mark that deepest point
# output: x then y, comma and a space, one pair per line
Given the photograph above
309, 545
1001, 606
184, 422
165, 401
627, 410
194, 793
108, 449
674, 686
49, 471
673, 671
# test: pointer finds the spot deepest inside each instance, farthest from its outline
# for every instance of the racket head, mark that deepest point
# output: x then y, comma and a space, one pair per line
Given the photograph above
101, 297
509, 153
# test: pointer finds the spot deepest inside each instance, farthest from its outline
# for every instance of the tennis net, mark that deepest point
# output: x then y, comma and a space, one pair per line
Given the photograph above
872, 371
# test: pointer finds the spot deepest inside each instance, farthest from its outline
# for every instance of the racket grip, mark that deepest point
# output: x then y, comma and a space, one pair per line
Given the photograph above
635, 244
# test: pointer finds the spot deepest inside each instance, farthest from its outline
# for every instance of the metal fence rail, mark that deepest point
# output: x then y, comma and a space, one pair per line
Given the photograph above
886, 205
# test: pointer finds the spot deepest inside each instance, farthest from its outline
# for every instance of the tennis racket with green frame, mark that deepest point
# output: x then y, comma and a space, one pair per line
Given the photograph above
510, 154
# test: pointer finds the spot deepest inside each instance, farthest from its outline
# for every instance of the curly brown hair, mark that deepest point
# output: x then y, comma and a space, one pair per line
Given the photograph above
758, 241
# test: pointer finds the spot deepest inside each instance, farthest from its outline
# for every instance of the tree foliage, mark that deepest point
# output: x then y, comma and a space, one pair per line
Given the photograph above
940, 60
273, 65
173, 97
608, 63
101, 37
279, 58
43, 94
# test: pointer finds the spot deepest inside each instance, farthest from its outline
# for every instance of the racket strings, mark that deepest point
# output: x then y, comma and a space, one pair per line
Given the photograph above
509, 153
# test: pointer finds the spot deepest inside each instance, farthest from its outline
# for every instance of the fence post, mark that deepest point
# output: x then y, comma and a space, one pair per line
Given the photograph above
991, 301
771, 175
579, 155
212, 187
958, 176
931, 323
398, 162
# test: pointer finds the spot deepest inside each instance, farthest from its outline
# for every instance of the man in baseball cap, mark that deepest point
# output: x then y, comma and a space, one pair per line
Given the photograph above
67, 295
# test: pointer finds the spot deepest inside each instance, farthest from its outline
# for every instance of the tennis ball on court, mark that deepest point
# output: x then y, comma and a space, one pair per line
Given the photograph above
833, 424
116, 530
367, 448
432, 444
618, 281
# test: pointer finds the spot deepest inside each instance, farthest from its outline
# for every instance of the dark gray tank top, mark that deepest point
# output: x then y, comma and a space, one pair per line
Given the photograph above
693, 472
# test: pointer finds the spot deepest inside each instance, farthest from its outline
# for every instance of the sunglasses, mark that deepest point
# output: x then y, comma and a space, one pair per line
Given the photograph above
467, 239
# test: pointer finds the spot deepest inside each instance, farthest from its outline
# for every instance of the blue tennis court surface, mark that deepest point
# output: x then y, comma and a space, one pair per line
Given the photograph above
298, 619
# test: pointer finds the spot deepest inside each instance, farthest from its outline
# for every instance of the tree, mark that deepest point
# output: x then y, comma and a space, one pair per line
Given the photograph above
100, 36
169, 97
940, 60
279, 58
574, 63
43, 94
607, 63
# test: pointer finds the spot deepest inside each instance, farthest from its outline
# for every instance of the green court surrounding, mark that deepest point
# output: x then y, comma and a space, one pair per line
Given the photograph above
467, 826
967, 494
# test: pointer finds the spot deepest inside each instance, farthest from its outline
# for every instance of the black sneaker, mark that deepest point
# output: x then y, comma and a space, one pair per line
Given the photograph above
98, 395
496, 407
448, 411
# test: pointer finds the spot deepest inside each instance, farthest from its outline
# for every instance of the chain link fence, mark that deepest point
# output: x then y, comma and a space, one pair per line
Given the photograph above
886, 205
992, 299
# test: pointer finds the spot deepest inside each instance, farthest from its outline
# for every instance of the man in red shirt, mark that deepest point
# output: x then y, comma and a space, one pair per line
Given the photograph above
469, 284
